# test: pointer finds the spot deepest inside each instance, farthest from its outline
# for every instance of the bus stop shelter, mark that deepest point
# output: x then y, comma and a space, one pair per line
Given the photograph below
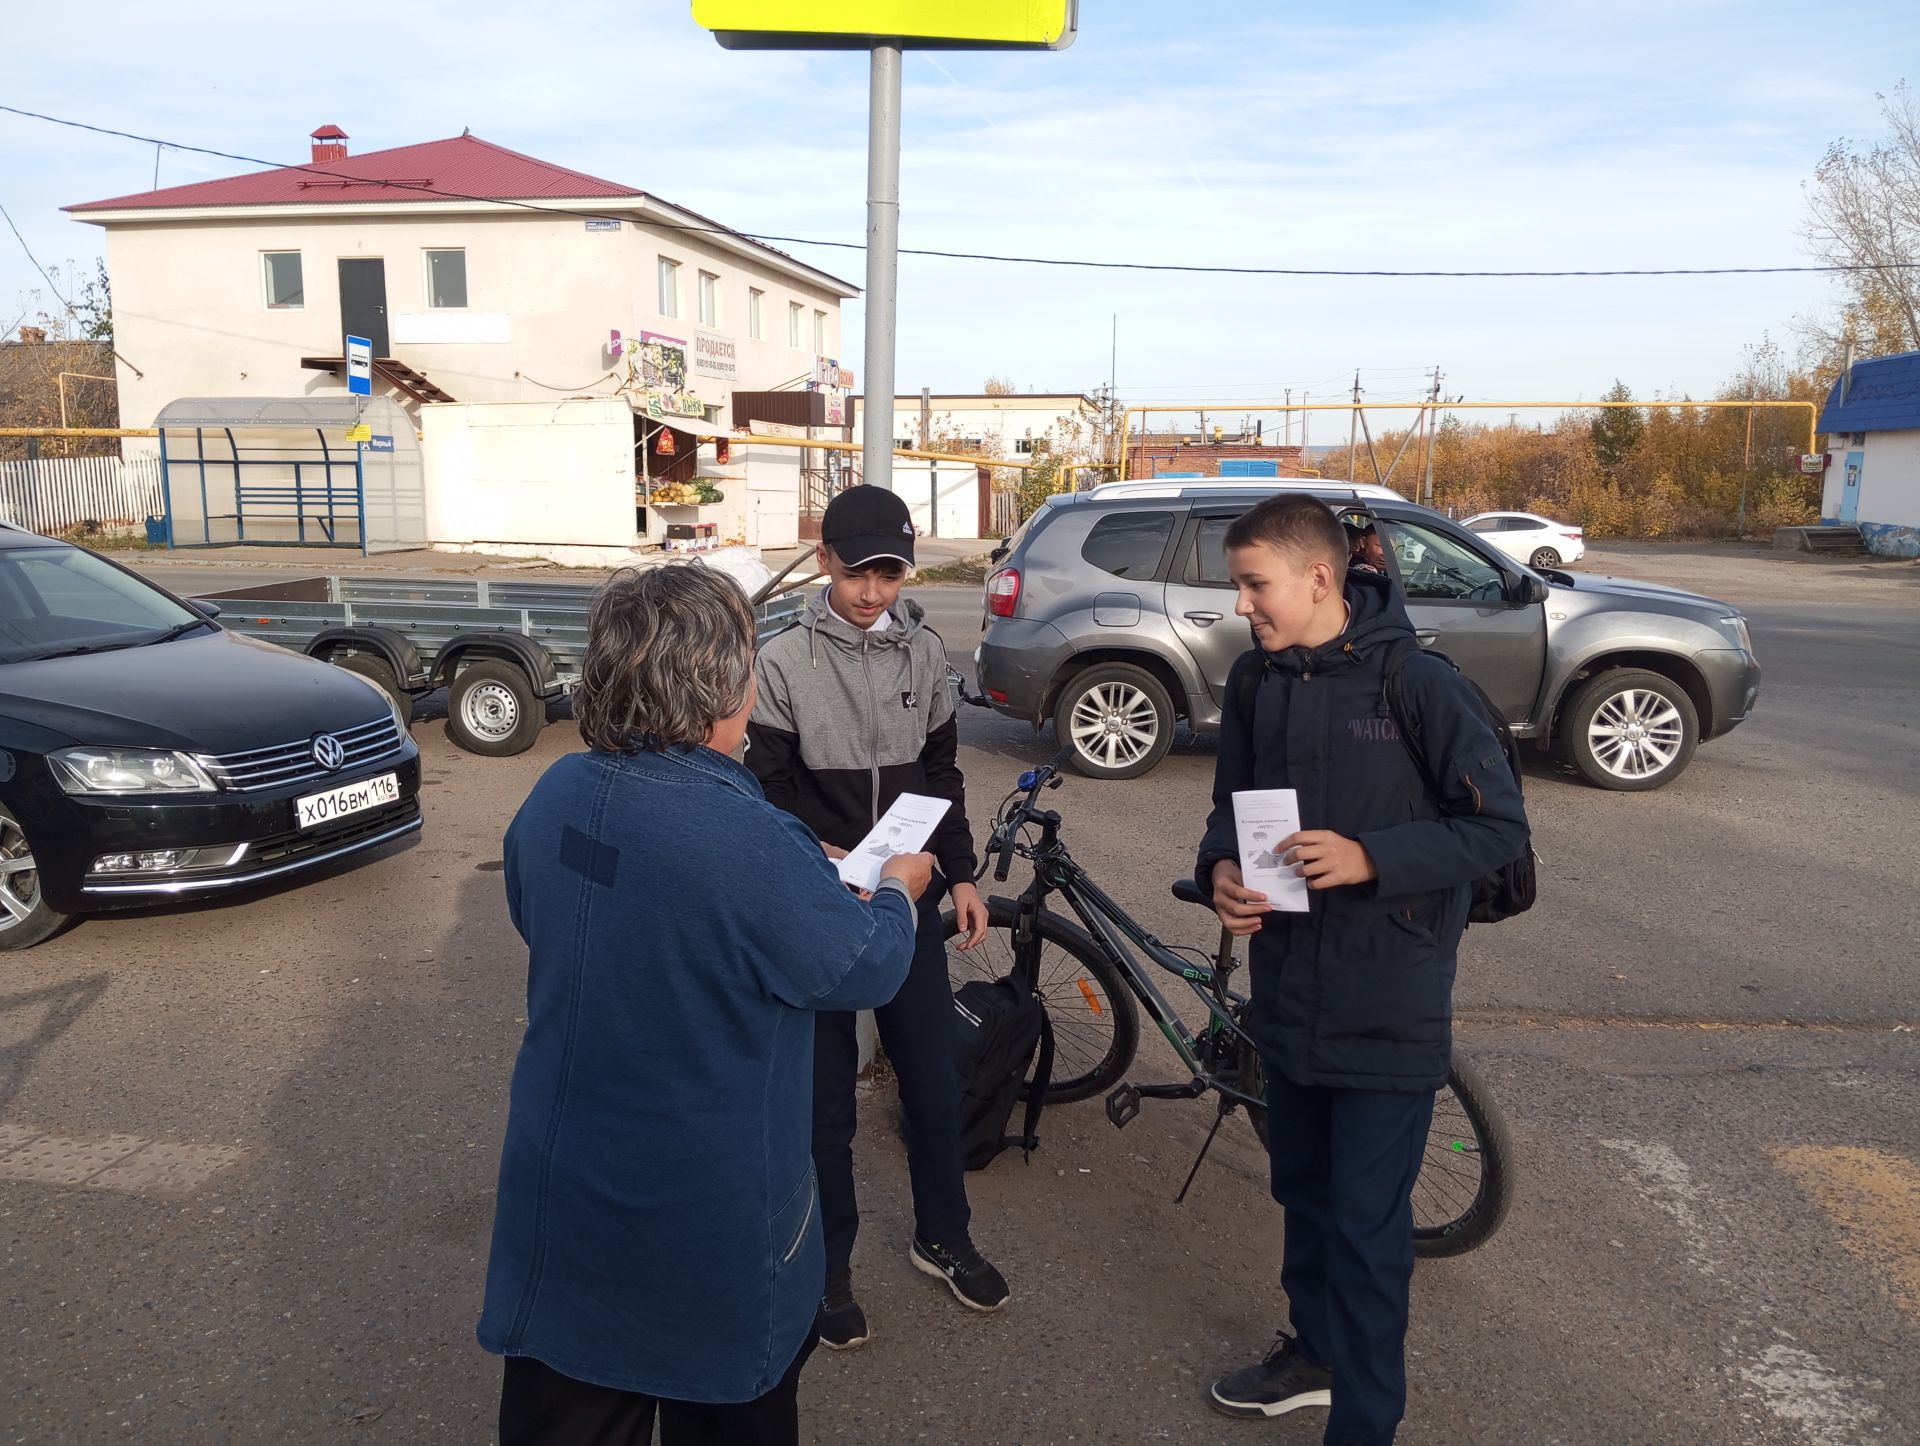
328, 471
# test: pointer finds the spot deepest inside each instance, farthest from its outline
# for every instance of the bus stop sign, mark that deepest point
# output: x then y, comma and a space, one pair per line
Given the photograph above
359, 367
910, 24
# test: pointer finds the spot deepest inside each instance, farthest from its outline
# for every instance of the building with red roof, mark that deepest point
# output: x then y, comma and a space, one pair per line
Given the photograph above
480, 275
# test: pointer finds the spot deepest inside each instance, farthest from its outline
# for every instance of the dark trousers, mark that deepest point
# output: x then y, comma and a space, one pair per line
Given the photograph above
541, 1407
918, 1033
1344, 1163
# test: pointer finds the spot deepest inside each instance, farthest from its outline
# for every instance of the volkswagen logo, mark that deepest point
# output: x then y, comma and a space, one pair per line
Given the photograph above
328, 751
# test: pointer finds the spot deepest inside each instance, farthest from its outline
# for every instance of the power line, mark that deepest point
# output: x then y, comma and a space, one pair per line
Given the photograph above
1186, 268
36, 264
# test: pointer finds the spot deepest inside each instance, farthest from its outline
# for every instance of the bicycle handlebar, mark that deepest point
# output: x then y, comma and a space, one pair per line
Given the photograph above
1047, 775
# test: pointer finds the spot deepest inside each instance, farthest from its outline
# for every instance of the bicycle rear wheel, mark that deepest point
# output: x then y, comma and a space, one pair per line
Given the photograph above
1465, 1183
1096, 1027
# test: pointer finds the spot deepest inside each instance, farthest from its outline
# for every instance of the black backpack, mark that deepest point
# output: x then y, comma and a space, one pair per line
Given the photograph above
1001, 1024
1507, 890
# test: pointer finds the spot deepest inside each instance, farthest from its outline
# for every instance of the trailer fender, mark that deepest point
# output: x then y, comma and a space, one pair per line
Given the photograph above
510, 647
385, 643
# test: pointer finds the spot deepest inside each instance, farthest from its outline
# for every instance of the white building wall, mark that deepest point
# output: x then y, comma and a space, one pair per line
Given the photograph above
543, 292
1004, 421
957, 486
1890, 479
555, 474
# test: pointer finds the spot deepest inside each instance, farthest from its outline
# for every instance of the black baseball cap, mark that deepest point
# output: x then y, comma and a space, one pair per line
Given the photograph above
868, 524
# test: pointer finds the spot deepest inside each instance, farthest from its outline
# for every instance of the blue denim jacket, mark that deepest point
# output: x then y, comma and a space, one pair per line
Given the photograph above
655, 1228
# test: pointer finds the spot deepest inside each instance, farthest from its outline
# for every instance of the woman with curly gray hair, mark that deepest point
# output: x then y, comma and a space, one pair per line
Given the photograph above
657, 1250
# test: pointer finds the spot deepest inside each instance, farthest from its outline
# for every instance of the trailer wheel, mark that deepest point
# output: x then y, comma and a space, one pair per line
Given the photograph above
493, 710
379, 673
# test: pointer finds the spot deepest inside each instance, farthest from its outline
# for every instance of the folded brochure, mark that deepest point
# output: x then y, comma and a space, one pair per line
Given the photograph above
903, 829
1262, 818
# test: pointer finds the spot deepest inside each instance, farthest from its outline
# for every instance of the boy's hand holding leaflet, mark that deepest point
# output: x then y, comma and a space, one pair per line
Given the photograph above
1326, 860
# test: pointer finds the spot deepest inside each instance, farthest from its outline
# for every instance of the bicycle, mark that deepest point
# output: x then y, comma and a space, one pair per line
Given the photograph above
1094, 988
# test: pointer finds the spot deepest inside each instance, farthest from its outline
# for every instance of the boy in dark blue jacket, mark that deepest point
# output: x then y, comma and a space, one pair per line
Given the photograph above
1352, 1000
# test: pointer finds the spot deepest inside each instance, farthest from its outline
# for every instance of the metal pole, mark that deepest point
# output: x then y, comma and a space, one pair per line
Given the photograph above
1433, 435
883, 263
1353, 427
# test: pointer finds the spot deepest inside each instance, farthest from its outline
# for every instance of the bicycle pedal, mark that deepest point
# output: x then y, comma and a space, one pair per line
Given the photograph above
1122, 1106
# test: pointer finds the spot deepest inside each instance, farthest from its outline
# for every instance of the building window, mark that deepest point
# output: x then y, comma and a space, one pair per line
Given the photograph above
819, 333
446, 280
669, 287
795, 311
755, 296
709, 299
281, 270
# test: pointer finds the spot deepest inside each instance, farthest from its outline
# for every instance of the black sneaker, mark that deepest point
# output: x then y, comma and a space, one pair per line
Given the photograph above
842, 1324
1282, 1381
974, 1283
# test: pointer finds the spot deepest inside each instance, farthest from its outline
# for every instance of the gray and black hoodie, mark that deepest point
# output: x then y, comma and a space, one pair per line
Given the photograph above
849, 720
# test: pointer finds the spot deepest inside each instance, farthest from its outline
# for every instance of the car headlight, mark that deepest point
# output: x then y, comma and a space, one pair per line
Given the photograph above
1740, 630
128, 771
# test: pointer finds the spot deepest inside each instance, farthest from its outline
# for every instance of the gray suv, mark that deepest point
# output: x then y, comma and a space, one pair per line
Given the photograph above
1111, 612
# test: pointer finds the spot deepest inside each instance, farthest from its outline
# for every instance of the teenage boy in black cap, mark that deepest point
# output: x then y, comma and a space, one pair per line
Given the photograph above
855, 710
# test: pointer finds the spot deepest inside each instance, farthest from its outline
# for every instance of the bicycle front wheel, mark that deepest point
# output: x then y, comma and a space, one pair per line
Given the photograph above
1096, 1027
1465, 1183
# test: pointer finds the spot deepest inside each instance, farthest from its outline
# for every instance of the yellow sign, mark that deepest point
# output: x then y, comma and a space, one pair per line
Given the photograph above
915, 24
360, 432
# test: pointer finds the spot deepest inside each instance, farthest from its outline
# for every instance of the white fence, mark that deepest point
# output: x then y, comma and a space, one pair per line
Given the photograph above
52, 494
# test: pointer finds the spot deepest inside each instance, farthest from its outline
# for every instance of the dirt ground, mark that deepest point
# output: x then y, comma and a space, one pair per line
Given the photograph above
1748, 572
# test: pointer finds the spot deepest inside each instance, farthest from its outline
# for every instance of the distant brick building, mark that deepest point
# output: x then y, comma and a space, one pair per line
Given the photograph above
1149, 457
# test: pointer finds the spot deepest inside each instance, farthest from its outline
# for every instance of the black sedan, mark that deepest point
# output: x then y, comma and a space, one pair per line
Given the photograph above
148, 754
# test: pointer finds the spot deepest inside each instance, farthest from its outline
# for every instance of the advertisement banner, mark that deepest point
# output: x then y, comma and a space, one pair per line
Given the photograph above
661, 366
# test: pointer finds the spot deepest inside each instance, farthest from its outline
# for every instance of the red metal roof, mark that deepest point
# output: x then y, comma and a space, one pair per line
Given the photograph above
460, 168
329, 133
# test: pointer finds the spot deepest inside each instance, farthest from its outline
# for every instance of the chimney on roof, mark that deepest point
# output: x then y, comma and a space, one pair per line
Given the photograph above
329, 144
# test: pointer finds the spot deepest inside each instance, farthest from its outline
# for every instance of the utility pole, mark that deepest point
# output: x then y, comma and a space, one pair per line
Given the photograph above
883, 263
1305, 418
1286, 426
1353, 427
926, 419
1433, 435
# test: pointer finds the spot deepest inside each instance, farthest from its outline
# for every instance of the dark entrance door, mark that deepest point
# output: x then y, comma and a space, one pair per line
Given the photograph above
363, 301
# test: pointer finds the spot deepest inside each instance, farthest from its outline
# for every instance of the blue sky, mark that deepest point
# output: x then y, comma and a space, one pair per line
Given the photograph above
1460, 136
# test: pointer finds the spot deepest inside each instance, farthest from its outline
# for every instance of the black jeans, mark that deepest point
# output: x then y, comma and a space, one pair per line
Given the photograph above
541, 1407
920, 1038
1344, 1163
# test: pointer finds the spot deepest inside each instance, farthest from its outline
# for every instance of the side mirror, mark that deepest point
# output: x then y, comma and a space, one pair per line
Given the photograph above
1528, 590
207, 610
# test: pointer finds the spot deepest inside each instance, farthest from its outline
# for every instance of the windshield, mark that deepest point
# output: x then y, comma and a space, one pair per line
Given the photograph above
63, 599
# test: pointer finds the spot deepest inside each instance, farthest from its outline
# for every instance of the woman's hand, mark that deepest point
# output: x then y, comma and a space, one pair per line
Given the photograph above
1241, 910
969, 913
830, 851
913, 870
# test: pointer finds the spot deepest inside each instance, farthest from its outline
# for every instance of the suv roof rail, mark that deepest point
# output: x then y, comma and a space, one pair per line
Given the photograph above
1200, 487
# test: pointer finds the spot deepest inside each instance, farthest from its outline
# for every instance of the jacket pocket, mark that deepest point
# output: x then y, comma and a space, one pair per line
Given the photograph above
793, 1222
1381, 984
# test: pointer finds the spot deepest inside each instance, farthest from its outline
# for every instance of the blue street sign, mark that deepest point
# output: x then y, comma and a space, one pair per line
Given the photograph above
378, 443
359, 366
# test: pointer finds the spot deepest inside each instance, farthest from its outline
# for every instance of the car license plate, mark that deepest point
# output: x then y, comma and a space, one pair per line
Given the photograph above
319, 808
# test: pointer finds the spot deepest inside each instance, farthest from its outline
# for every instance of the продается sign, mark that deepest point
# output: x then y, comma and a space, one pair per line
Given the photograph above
715, 356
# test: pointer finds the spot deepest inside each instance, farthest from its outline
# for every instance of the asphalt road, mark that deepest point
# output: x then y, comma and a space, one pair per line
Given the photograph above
1703, 1038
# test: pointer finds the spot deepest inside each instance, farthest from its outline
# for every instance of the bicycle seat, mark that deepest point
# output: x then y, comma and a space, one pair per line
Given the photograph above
1187, 891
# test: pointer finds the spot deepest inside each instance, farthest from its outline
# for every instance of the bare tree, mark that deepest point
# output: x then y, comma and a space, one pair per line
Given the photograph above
1863, 211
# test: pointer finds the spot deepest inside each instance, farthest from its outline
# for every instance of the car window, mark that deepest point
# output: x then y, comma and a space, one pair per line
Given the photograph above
1487, 524
1434, 565
1128, 544
1527, 524
61, 597
1207, 563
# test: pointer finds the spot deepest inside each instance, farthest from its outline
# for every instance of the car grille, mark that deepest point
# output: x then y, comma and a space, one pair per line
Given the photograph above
284, 763
289, 848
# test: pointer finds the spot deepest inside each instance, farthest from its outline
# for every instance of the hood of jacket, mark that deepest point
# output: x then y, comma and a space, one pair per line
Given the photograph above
1377, 620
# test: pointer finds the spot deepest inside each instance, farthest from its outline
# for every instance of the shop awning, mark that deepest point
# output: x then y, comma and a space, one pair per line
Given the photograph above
692, 426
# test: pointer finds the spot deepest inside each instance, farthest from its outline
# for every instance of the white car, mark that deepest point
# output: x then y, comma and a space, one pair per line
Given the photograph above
1525, 537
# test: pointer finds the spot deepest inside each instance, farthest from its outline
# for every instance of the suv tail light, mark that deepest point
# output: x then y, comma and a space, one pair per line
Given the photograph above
1003, 592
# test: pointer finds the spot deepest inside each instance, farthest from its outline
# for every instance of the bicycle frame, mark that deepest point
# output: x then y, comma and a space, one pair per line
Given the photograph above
1112, 928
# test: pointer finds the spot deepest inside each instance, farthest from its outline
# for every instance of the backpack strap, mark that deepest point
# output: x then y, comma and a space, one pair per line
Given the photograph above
1037, 1089
1245, 693
1404, 722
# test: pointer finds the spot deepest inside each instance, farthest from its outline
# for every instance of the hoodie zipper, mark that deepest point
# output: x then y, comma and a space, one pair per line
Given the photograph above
873, 712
